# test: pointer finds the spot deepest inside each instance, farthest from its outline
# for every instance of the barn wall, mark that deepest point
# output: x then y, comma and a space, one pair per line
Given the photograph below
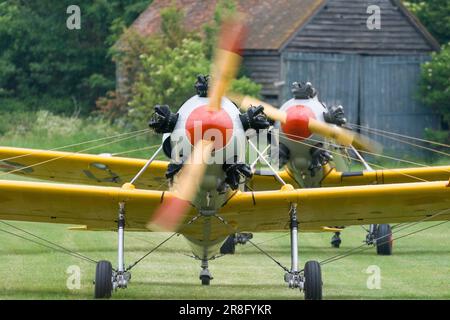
263, 67
389, 91
335, 77
341, 27
376, 91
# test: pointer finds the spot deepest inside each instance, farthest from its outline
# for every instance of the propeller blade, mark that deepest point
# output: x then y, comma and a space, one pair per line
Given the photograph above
171, 212
227, 59
244, 102
339, 134
344, 136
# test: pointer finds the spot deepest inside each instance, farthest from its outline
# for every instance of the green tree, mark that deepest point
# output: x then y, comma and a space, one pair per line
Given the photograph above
435, 83
44, 64
434, 15
167, 77
166, 70
435, 89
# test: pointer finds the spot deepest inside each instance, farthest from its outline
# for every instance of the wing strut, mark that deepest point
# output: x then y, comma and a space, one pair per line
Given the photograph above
149, 162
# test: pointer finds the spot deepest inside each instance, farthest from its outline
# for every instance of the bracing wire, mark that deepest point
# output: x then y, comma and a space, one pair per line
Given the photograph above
136, 150
368, 152
399, 135
50, 245
401, 160
364, 246
396, 239
150, 252
78, 144
284, 235
410, 143
70, 154
269, 256
356, 159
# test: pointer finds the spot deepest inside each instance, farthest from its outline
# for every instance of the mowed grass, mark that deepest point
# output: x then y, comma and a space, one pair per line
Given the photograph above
419, 268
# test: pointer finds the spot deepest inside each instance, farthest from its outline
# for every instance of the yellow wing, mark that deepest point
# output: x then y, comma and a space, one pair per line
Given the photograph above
339, 206
264, 180
81, 168
91, 206
387, 176
96, 207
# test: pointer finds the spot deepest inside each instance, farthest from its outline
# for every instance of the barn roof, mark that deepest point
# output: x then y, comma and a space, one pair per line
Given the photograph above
273, 24
341, 27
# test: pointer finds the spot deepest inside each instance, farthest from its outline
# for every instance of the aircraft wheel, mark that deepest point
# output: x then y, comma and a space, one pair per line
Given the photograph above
313, 281
103, 280
229, 246
384, 245
336, 240
205, 280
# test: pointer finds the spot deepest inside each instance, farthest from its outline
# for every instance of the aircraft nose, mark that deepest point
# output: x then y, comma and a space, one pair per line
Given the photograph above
297, 120
207, 124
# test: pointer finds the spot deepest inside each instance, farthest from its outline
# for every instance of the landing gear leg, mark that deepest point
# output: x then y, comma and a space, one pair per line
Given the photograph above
106, 279
310, 280
205, 275
371, 234
121, 277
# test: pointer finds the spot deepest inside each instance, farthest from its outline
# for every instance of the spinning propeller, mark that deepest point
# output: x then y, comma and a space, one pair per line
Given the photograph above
300, 120
226, 63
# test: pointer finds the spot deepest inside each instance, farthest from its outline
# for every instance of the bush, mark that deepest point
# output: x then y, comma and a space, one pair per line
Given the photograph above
167, 77
435, 84
41, 58
47, 125
166, 70
435, 16
14, 122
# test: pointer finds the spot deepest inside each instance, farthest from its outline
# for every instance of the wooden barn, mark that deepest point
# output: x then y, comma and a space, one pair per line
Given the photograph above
373, 73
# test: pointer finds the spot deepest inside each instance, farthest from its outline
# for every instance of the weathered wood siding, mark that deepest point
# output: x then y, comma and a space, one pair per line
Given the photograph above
335, 76
341, 27
263, 67
389, 99
376, 91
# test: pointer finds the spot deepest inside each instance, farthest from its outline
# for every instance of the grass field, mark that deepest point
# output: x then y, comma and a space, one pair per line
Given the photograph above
419, 268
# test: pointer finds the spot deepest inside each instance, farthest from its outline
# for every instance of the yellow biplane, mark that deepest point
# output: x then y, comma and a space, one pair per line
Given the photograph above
199, 193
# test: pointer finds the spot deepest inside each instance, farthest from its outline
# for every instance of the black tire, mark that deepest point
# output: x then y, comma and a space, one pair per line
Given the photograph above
336, 240
384, 240
229, 246
335, 244
313, 281
103, 280
205, 280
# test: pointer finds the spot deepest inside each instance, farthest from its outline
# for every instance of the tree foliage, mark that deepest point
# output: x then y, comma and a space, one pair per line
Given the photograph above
435, 88
434, 15
42, 60
435, 80
167, 68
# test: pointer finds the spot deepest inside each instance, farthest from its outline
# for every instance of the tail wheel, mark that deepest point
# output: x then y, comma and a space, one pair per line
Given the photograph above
103, 280
313, 281
205, 280
384, 240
